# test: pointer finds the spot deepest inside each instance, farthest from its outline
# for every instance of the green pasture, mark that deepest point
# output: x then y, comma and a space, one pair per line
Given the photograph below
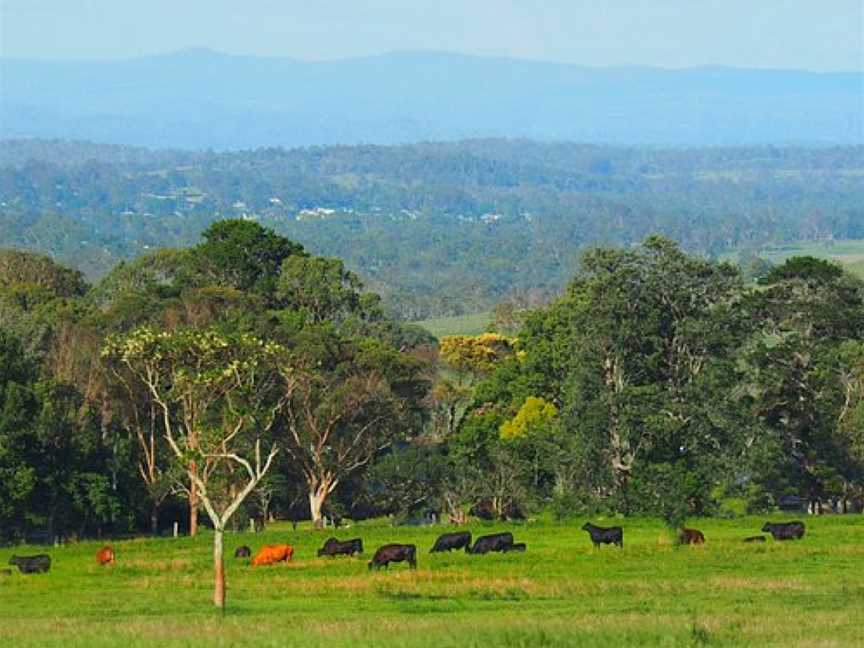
849, 253
561, 592
472, 324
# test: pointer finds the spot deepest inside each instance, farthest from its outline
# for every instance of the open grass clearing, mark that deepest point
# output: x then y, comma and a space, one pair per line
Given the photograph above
561, 592
472, 324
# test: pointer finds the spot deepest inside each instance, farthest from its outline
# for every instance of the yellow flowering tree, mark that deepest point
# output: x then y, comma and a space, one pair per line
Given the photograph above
535, 414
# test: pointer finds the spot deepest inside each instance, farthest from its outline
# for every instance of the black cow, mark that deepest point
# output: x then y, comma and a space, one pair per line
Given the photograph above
785, 530
243, 552
394, 553
604, 535
333, 547
759, 538
517, 546
32, 564
450, 541
493, 542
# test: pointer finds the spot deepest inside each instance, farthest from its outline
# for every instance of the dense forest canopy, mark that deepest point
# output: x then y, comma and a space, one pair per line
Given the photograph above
435, 229
246, 377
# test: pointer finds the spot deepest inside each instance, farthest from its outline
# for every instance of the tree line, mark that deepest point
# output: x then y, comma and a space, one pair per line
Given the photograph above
244, 378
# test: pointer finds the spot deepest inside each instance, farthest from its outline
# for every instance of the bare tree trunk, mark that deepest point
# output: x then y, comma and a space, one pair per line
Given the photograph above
316, 502
318, 494
219, 570
193, 502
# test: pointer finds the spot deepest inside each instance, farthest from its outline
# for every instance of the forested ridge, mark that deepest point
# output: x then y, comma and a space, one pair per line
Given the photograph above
435, 228
246, 378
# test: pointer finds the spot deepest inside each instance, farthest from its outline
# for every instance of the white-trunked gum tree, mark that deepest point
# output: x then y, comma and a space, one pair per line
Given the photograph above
219, 396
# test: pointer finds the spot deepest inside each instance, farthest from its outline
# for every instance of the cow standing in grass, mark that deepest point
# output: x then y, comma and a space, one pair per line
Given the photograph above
604, 535
785, 530
105, 556
38, 564
333, 547
270, 554
449, 541
492, 542
394, 553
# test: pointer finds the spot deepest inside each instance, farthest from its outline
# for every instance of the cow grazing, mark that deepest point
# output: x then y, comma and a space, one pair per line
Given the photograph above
40, 563
690, 537
449, 541
334, 547
5, 572
493, 542
516, 546
394, 553
604, 535
105, 556
759, 538
270, 554
242, 552
785, 530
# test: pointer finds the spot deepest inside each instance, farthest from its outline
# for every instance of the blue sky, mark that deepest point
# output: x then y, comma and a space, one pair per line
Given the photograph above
807, 34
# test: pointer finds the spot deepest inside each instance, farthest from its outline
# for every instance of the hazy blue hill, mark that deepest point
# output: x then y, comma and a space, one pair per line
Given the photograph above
201, 98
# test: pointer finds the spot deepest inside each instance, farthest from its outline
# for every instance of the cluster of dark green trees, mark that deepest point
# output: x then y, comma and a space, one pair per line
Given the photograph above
660, 383
244, 374
245, 331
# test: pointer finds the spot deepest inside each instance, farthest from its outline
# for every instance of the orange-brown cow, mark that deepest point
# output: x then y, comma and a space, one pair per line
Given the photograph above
105, 555
270, 554
691, 536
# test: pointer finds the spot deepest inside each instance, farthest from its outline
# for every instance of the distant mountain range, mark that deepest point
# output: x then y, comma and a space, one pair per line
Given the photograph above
205, 99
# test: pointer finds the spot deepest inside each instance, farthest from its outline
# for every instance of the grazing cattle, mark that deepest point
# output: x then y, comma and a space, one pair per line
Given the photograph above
690, 536
32, 564
270, 554
394, 553
450, 541
785, 530
604, 535
516, 546
493, 542
242, 552
5, 572
759, 538
333, 547
105, 556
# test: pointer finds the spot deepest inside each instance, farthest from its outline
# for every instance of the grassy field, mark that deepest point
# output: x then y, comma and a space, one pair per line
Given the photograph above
473, 324
848, 253
561, 592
